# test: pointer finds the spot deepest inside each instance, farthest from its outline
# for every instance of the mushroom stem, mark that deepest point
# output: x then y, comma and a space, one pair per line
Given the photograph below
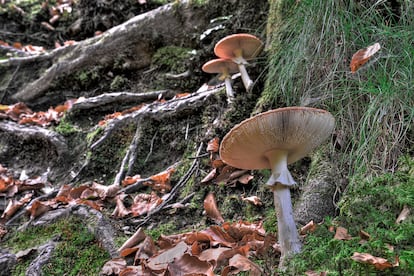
229, 90
287, 232
247, 82
280, 172
279, 181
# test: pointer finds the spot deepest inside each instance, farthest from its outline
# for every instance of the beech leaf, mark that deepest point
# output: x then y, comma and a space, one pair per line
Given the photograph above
342, 234
210, 206
363, 55
378, 262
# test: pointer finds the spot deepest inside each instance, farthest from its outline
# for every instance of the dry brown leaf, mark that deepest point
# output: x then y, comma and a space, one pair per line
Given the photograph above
342, 234
159, 263
120, 210
378, 262
12, 207
37, 209
255, 200
129, 180
363, 55
35, 183
105, 191
76, 192
210, 176
189, 265
64, 190
403, 215
213, 145
133, 271
114, 266
210, 206
144, 203
310, 227
245, 178
163, 177
146, 250
219, 236
135, 239
364, 236
91, 203
239, 263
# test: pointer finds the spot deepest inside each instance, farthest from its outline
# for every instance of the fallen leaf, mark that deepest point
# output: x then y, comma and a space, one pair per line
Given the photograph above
113, 267
37, 209
253, 200
144, 203
342, 234
135, 239
213, 145
190, 265
378, 262
120, 210
403, 215
363, 55
239, 263
210, 206
161, 261
129, 180
364, 236
310, 227
210, 176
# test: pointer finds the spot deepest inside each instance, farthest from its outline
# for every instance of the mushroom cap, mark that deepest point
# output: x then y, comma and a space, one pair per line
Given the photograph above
249, 44
296, 130
219, 65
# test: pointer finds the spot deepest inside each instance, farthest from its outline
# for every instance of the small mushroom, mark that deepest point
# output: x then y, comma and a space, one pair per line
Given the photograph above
224, 67
240, 48
272, 140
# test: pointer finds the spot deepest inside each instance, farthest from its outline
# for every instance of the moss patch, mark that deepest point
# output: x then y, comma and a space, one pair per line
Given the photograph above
77, 252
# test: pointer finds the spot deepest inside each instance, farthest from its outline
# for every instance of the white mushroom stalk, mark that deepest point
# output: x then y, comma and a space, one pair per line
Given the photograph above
229, 88
241, 63
280, 182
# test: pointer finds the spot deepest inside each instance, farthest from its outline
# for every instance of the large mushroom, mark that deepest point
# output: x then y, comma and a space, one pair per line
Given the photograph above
240, 48
224, 67
272, 140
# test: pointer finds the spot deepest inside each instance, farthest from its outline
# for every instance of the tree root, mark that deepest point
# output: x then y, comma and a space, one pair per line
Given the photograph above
170, 23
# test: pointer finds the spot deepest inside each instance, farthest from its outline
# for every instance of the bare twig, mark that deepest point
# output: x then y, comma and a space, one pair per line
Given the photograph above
174, 190
151, 147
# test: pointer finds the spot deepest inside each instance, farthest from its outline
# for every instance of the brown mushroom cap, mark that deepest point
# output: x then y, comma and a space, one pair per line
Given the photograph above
249, 44
297, 130
219, 65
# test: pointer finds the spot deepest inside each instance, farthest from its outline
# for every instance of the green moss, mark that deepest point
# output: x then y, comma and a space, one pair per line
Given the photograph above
172, 58
91, 136
77, 251
118, 83
65, 127
162, 229
371, 205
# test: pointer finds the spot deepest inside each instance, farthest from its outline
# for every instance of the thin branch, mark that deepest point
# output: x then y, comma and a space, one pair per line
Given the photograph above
174, 190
